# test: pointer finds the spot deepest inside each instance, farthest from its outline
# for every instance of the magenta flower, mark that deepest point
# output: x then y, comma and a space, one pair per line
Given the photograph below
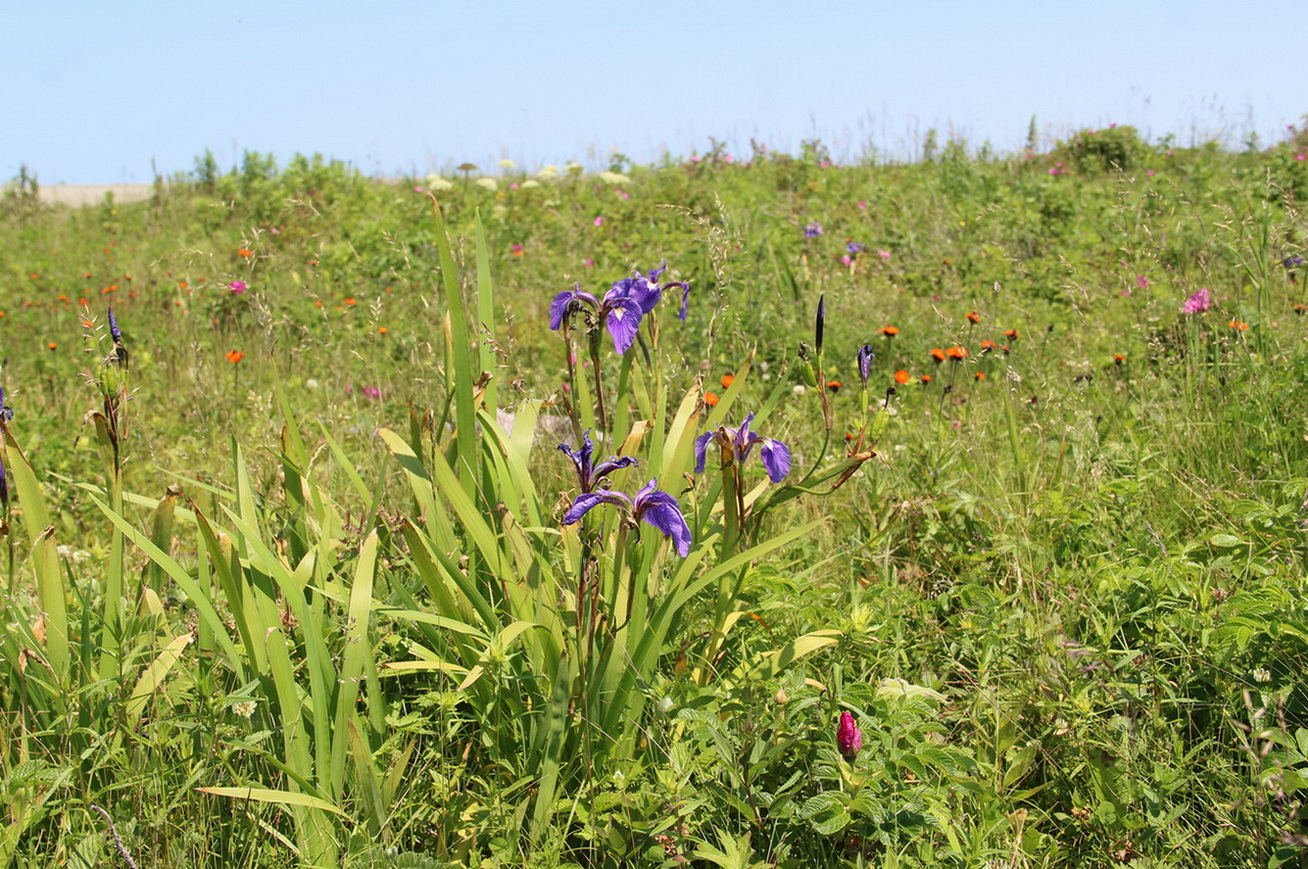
237, 287
849, 739
1199, 302
599, 221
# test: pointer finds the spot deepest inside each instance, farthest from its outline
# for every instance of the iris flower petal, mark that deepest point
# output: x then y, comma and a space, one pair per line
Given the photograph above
776, 459
588, 500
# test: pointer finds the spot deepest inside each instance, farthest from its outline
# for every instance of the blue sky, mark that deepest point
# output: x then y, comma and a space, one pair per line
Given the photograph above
98, 92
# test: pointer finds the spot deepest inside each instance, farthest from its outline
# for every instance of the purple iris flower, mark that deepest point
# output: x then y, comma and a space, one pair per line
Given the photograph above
738, 443
855, 248
114, 331
865, 356
651, 505
813, 230
589, 473
568, 304
1292, 262
622, 308
6, 412
648, 285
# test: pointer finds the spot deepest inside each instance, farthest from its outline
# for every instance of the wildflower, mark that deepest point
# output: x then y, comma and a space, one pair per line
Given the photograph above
988, 345
1012, 335
736, 445
865, 357
1239, 325
1118, 358
957, 353
849, 739
902, 376
245, 252
926, 379
516, 250
1142, 282
119, 354
834, 385
651, 505
52, 346
589, 474
813, 230
711, 399
974, 317
351, 302
6, 412
890, 331
487, 184
599, 221
821, 324
1201, 300
980, 375
1301, 309
382, 330
937, 354
854, 248
727, 380
234, 356
884, 254
237, 287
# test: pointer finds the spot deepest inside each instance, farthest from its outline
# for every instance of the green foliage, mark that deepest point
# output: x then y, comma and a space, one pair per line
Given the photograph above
286, 580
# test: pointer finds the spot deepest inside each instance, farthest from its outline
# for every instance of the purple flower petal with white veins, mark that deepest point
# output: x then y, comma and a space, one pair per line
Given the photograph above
623, 322
589, 500
567, 303
776, 459
658, 508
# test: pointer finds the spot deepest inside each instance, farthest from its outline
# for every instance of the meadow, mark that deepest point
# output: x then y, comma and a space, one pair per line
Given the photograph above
741, 510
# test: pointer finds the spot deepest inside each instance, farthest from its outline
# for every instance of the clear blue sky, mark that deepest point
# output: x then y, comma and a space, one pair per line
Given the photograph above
93, 91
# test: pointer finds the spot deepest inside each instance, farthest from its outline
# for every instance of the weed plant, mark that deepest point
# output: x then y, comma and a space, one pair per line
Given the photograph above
746, 510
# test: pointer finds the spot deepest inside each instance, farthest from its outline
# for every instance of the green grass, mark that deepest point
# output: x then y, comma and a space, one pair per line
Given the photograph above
291, 588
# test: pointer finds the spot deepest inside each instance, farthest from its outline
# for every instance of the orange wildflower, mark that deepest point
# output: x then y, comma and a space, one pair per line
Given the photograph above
889, 331
182, 285
1012, 335
1118, 358
711, 399
987, 346
1239, 325
925, 378
902, 376
382, 330
63, 298
51, 346
727, 380
351, 302
974, 316
234, 356
245, 251
834, 385
980, 375
937, 354
317, 303
957, 353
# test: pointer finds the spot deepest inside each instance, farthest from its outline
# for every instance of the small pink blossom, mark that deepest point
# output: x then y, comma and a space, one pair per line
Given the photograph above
589, 262
862, 205
513, 186
599, 221
237, 287
846, 259
417, 188
1141, 282
884, 254
849, 739
1199, 301
1301, 157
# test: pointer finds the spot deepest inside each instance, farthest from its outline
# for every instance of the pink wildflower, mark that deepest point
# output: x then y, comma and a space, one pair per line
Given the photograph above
849, 739
1199, 302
